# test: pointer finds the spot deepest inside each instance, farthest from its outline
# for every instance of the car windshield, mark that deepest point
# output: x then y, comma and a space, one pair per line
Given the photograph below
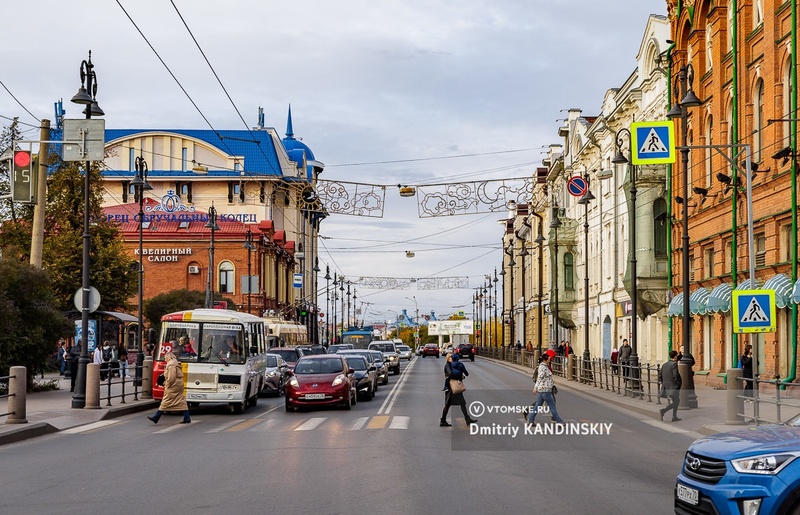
318, 366
431, 345
403, 348
287, 354
376, 356
383, 347
272, 361
356, 362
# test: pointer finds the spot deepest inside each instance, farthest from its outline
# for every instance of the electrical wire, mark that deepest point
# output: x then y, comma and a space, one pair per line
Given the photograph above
18, 102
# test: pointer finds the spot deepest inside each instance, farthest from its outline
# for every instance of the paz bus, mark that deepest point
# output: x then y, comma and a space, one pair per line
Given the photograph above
285, 333
359, 338
221, 352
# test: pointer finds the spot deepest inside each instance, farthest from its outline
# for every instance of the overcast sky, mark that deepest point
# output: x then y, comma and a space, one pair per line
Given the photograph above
414, 81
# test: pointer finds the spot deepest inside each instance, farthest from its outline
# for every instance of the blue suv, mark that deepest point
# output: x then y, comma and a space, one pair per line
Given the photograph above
751, 471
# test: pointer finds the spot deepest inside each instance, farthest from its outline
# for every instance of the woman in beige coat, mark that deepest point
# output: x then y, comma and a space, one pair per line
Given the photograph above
173, 399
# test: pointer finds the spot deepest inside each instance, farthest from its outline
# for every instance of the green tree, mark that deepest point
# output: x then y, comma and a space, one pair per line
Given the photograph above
177, 300
30, 321
9, 210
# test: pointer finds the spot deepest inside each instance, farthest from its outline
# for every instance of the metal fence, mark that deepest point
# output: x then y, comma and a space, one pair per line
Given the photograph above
770, 399
110, 381
5, 380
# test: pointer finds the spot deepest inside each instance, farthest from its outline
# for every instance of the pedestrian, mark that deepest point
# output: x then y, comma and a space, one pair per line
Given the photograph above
113, 367
62, 357
103, 356
670, 386
568, 349
747, 370
560, 349
614, 361
624, 358
519, 345
529, 347
448, 367
457, 373
73, 356
543, 389
123, 362
97, 358
173, 399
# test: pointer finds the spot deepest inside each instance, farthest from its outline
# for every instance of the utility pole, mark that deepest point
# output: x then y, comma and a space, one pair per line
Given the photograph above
37, 240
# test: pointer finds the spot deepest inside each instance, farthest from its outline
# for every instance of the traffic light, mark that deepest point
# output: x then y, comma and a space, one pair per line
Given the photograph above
25, 173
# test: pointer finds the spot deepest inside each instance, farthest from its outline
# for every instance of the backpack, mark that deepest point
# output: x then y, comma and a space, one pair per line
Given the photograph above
107, 354
535, 375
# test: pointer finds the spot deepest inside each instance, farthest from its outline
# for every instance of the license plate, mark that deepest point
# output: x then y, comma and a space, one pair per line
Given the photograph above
689, 495
314, 396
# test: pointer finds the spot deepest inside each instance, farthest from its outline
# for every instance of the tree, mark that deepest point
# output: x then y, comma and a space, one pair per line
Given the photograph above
176, 300
9, 210
30, 321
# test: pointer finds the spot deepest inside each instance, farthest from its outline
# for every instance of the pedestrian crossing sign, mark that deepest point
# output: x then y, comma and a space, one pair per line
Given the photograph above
653, 143
753, 311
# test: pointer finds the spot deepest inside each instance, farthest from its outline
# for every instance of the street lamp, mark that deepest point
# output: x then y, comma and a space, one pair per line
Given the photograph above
349, 294
511, 265
555, 224
619, 160
83, 97
327, 304
585, 199
486, 313
524, 254
248, 244
683, 88
503, 327
314, 313
475, 316
416, 319
495, 306
540, 241
140, 185
341, 288
211, 224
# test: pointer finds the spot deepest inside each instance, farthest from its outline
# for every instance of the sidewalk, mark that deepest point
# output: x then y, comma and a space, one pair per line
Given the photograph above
708, 418
51, 411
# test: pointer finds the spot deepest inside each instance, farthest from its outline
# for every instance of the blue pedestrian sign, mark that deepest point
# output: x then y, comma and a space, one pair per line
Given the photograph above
753, 311
653, 143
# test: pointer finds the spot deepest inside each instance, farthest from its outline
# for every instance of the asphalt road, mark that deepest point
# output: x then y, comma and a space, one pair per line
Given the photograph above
387, 455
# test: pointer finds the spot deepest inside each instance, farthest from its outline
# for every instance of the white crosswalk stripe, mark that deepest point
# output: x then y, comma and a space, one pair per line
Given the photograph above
88, 427
359, 423
399, 423
311, 424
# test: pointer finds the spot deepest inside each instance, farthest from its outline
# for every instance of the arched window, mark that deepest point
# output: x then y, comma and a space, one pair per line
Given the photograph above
709, 48
730, 26
787, 96
758, 13
758, 121
709, 141
660, 228
226, 282
569, 270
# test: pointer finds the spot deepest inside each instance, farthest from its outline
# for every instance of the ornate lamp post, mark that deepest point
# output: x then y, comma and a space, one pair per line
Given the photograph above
555, 224
585, 199
327, 304
475, 316
341, 289
140, 185
511, 265
486, 313
82, 97
349, 295
683, 88
540, 316
211, 224
248, 244
524, 254
495, 306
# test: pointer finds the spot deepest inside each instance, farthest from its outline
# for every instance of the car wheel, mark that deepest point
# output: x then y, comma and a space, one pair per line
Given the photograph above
349, 403
385, 380
472, 358
289, 407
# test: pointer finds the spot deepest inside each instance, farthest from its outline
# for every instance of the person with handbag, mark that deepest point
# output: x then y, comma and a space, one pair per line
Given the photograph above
544, 388
174, 399
455, 394
670, 385
747, 369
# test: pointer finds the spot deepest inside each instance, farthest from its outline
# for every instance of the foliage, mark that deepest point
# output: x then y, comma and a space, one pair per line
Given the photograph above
9, 210
30, 321
177, 300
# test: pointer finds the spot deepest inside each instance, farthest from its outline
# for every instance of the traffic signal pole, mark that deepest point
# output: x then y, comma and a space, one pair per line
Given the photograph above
37, 238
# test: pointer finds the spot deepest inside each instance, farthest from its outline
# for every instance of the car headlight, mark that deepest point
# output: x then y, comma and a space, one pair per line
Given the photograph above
341, 378
293, 382
272, 374
392, 358
765, 464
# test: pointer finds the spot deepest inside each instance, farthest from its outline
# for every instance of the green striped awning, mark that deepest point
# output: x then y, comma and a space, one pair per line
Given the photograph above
782, 286
719, 301
697, 301
796, 292
747, 284
675, 308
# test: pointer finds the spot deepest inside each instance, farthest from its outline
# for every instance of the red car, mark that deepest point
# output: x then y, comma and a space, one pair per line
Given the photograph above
430, 349
321, 380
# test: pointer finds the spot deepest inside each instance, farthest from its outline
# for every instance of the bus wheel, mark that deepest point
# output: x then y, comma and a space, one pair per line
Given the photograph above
252, 401
238, 407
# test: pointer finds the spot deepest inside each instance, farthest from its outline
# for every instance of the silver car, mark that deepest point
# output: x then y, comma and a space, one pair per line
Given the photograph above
404, 351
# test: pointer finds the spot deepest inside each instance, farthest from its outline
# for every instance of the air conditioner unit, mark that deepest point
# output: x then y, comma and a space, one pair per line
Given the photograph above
194, 269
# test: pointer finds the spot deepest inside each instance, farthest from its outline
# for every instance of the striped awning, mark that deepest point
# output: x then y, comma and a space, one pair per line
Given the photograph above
719, 301
782, 286
675, 308
747, 284
795, 298
697, 301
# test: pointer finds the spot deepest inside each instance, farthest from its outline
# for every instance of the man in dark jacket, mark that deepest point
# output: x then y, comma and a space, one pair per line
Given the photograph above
73, 356
671, 385
624, 358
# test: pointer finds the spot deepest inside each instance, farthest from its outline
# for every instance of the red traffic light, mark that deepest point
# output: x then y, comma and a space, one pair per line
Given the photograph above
22, 158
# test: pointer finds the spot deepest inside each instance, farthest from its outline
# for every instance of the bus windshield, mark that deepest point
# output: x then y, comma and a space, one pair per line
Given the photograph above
203, 342
359, 340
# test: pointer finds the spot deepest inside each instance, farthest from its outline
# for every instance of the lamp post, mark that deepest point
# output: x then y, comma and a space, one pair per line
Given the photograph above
211, 224
327, 304
555, 224
355, 306
341, 296
475, 316
511, 265
486, 313
683, 89
524, 254
503, 327
619, 160
495, 306
315, 312
140, 185
83, 97
248, 244
349, 295
540, 241
585, 199
416, 319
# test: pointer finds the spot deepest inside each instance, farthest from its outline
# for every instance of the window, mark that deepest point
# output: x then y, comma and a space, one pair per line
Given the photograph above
569, 268
785, 243
691, 268
730, 25
709, 48
125, 187
660, 228
758, 121
761, 250
226, 277
758, 13
709, 141
728, 256
787, 95
708, 264
184, 159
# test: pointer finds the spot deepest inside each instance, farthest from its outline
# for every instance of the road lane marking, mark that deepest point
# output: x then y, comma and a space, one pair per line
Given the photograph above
386, 407
245, 425
89, 427
664, 426
225, 426
359, 423
174, 427
310, 424
270, 411
399, 423
378, 422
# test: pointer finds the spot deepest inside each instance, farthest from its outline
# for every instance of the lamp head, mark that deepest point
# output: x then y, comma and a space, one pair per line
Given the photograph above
587, 197
82, 97
619, 159
691, 100
675, 112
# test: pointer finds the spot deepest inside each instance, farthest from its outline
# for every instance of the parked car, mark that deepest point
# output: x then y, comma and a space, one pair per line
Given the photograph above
314, 349
390, 356
447, 350
289, 354
466, 350
275, 375
751, 470
333, 349
374, 358
430, 349
321, 380
366, 376
404, 351
418, 350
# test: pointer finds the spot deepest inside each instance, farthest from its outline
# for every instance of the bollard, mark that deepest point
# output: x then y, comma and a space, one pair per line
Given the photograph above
735, 403
535, 360
684, 370
147, 378
17, 389
92, 386
570, 364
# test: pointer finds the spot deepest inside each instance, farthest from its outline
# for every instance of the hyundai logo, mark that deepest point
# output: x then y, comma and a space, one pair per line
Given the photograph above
693, 463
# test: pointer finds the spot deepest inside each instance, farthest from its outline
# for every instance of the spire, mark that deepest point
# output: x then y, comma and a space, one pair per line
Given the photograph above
289, 131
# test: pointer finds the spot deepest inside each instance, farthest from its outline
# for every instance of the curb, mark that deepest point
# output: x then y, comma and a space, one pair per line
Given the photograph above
26, 431
121, 411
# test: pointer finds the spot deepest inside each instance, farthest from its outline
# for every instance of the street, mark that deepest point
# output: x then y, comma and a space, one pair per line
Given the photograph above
387, 455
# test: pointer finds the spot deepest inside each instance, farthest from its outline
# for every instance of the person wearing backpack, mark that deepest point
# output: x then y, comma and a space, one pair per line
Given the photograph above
106, 354
544, 388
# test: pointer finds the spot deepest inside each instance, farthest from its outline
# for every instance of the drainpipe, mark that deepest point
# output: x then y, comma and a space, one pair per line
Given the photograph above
734, 358
793, 143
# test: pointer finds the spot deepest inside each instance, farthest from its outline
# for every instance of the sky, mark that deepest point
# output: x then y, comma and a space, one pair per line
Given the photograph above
392, 92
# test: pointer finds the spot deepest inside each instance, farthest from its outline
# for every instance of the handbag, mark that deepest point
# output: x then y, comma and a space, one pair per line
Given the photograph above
160, 380
457, 386
663, 392
554, 390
